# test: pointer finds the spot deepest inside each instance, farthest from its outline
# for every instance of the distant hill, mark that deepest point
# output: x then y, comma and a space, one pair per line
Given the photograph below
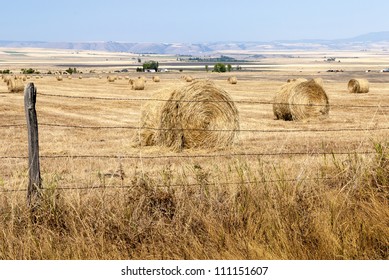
369, 40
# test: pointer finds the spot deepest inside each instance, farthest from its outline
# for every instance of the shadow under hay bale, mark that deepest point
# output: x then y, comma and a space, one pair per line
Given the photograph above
358, 86
199, 115
300, 100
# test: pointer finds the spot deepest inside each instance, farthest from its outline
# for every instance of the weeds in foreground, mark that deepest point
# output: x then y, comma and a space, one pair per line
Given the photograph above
250, 211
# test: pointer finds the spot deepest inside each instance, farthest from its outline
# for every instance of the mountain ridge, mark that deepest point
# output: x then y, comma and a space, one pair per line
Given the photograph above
368, 40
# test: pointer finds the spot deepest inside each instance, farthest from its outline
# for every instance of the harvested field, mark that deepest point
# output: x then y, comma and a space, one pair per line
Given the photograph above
286, 190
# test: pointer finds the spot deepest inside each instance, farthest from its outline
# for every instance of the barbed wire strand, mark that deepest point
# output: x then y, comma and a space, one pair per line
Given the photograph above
176, 185
118, 156
204, 101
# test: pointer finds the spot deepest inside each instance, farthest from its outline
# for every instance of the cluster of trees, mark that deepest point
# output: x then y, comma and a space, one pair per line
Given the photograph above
29, 71
220, 67
149, 65
5, 72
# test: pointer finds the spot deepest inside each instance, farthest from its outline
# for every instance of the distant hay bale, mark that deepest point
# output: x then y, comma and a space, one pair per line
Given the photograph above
15, 85
300, 100
232, 80
156, 79
137, 84
111, 79
80, 77
59, 78
70, 77
188, 79
190, 119
358, 86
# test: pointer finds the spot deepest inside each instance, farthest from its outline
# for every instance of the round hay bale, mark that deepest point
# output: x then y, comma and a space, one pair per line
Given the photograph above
358, 86
232, 80
281, 108
59, 78
70, 77
16, 85
199, 115
156, 79
80, 77
111, 79
137, 84
308, 100
189, 79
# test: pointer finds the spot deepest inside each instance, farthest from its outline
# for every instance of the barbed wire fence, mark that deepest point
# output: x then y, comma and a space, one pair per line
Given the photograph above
182, 156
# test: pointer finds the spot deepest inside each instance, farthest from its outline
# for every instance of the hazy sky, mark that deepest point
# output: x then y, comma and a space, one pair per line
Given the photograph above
189, 21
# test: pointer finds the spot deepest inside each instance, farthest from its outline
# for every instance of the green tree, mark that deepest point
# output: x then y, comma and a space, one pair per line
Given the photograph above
151, 65
206, 68
219, 67
229, 67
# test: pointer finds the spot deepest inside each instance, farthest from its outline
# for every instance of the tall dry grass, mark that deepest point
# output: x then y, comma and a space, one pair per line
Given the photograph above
340, 210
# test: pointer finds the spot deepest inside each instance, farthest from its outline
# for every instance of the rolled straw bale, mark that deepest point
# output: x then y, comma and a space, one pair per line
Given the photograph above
111, 79
156, 79
232, 80
189, 79
358, 86
80, 77
308, 100
301, 100
199, 115
138, 84
70, 77
16, 85
281, 100
59, 78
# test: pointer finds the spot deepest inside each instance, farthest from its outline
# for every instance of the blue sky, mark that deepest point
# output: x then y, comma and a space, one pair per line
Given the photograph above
189, 21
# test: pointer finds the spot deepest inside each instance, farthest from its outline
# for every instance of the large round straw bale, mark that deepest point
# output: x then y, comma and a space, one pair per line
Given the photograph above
111, 79
199, 115
232, 80
138, 84
15, 85
281, 108
358, 86
156, 79
308, 100
300, 100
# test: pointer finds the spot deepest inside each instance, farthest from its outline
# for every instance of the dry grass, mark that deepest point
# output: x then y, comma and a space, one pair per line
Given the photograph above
191, 205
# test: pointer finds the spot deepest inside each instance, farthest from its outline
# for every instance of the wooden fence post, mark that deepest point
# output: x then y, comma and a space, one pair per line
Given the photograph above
34, 182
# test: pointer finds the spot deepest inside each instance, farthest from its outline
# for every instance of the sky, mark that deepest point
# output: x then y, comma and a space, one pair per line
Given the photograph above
183, 21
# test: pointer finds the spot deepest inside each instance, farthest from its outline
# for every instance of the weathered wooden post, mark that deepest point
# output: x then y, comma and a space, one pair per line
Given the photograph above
34, 182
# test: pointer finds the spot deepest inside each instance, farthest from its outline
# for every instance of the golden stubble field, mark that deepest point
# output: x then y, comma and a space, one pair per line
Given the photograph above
286, 190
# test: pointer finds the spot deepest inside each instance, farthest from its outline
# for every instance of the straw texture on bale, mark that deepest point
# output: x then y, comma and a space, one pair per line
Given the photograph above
199, 115
156, 79
301, 100
15, 85
319, 81
358, 86
137, 84
232, 80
